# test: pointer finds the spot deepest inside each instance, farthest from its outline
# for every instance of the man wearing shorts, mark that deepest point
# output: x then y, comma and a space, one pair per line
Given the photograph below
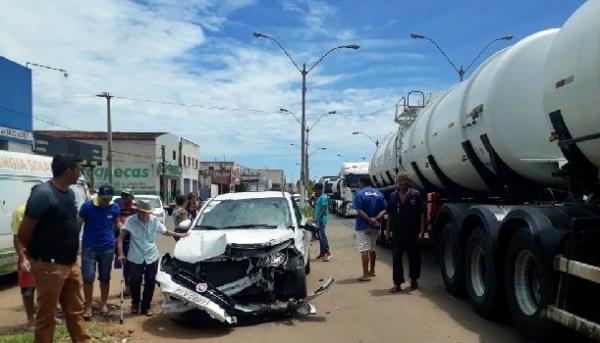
370, 206
101, 218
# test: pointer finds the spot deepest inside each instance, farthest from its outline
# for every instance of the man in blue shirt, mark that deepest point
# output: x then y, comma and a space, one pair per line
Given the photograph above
320, 218
100, 217
370, 206
142, 258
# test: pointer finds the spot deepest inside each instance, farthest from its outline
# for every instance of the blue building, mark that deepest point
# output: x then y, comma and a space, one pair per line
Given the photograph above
16, 121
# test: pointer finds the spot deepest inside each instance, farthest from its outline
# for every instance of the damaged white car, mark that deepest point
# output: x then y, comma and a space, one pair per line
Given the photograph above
246, 256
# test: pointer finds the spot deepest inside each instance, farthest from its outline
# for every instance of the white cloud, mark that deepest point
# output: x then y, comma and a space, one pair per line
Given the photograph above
164, 51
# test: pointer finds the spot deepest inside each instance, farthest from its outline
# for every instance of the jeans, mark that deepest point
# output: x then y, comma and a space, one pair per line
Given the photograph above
323, 242
103, 258
58, 283
411, 247
136, 272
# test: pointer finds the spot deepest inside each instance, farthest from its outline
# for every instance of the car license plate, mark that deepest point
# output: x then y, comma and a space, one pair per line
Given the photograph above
190, 296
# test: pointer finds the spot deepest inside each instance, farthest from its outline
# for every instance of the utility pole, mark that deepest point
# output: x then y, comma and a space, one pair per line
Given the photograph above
163, 155
109, 153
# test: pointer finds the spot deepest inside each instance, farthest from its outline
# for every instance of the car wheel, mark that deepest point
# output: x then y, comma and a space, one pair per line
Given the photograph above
307, 268
296, 278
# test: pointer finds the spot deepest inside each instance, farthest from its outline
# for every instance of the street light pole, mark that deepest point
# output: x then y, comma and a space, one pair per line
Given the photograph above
369, 137
303, 72
460, 71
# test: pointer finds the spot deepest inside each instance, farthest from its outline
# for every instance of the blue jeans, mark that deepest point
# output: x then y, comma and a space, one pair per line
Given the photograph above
103, 258
323, 242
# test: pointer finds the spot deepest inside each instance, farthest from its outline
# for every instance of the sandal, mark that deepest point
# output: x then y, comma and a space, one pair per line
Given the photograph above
104, 311
364, 279
87, 314
395, 289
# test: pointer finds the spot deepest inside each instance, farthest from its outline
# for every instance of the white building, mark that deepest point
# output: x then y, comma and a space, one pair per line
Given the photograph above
137, 160
189, 153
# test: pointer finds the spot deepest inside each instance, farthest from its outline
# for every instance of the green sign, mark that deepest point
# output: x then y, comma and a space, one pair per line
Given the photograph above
172, 171
138, 177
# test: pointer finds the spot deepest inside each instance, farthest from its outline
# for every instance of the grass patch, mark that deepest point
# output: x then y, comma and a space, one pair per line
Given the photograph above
61, 335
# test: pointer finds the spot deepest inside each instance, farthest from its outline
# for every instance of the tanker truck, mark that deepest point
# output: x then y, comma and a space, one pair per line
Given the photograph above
509, 159
346, 186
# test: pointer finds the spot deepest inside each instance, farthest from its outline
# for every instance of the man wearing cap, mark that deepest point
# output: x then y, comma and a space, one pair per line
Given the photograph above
142, 258
100, 217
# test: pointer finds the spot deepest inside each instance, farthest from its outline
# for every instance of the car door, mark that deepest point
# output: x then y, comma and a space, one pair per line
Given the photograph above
301, 234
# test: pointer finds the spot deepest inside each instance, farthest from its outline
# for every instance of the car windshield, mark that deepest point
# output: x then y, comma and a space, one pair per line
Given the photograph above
155, 202
244, 214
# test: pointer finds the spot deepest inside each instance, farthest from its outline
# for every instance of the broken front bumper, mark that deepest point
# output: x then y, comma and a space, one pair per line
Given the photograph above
184, 292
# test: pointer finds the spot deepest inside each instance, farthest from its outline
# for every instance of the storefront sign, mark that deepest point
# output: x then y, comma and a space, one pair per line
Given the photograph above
8, 133
138, 177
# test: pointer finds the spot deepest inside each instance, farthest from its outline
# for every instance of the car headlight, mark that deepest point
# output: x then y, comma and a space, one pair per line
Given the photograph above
273, 260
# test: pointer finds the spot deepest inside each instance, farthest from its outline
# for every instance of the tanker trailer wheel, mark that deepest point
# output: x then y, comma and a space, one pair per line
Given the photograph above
481, 283
529, 286
451, 260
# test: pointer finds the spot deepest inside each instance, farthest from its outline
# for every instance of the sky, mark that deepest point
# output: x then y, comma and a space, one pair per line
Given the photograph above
194, 68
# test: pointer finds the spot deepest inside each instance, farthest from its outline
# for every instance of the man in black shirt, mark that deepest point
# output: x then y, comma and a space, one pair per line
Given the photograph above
406, 212
50, 234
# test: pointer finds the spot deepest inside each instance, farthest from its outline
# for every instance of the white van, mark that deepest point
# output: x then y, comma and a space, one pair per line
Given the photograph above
18, 173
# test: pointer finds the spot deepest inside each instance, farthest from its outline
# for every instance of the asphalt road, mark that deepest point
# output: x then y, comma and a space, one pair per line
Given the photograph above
352, 311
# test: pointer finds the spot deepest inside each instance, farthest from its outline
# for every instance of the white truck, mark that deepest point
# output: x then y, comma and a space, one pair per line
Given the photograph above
18, 174
513, 155
346, 186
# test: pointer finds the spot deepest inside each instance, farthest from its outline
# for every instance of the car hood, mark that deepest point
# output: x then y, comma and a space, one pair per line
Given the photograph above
203, 245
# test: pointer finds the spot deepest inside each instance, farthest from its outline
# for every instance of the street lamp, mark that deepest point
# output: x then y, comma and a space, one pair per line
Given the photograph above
369, 137
461, 72
317, 150
303, 72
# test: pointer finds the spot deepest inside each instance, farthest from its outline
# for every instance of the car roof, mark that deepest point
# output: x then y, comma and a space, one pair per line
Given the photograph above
251, 195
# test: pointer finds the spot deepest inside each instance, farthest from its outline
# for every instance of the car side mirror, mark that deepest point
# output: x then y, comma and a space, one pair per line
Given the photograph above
309, 226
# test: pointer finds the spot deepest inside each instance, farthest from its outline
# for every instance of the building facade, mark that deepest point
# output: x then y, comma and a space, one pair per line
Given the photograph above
137, 160
226, 175
16, 114
190, 165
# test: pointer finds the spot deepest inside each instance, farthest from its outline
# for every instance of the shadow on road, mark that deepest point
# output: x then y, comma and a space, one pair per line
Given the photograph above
172, 329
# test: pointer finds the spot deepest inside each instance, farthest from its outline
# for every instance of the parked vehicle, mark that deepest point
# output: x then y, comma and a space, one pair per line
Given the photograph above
513, 154
19, 172
247, 255
344, 188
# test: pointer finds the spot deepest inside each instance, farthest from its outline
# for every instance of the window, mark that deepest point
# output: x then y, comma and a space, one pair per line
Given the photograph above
174, 155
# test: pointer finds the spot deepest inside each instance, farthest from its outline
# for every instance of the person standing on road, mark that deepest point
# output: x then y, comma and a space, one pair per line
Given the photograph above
25, 278
370, 205
142, 259
406, 213
127, 205
320, 218
100, 219
179, 213
50, 235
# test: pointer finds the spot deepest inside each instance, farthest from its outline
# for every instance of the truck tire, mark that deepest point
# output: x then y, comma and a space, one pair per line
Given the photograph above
529, 286
451, 261
481, 283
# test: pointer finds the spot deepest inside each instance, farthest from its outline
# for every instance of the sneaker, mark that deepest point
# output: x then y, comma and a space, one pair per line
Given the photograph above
327, 257
320, 256
414, 284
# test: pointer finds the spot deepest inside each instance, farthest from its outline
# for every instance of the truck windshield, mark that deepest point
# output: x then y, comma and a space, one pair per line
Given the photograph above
244, 214
351, 180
